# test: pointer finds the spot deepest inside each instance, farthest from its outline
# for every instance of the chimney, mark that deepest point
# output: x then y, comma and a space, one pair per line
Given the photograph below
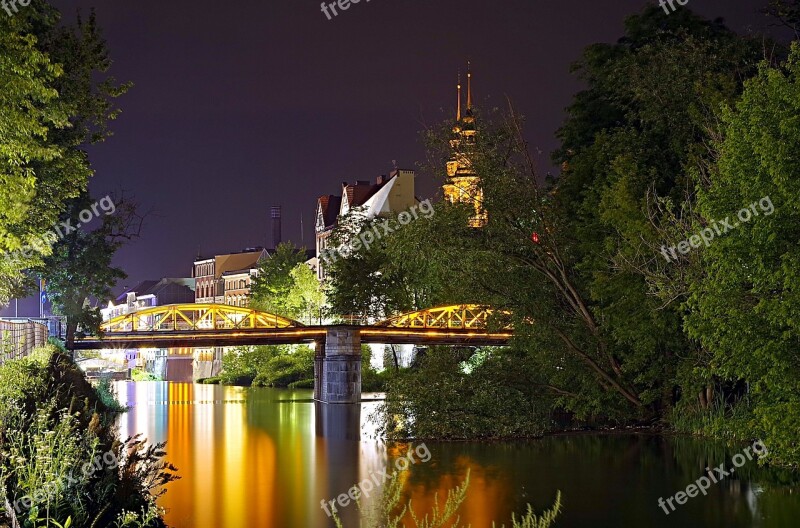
276, 225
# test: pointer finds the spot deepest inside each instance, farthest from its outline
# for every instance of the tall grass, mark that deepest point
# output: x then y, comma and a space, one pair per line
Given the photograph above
61, 462
388, 513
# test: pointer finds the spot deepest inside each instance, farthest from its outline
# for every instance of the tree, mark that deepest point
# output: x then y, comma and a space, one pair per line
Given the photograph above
56, 98
79, 271
632, 150
273, 284
787, 12
746, 307
306, 294
394, 273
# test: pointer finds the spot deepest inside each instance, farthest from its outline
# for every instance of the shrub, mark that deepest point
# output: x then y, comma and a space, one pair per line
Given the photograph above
55, 426
267, 366
439, 399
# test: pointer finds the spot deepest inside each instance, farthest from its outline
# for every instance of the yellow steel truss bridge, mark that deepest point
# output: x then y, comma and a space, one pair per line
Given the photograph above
207, 325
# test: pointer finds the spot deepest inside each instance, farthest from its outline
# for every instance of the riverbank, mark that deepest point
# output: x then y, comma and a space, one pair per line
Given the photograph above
61, 459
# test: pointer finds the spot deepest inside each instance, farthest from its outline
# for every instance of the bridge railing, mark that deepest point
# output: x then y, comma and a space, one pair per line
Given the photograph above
18, 339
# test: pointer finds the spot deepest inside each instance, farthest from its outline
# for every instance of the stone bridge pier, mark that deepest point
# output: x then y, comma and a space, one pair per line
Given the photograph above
337, 366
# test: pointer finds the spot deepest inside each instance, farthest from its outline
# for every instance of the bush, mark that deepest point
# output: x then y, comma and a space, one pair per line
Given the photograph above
282, 370
107, 396
143, 375
267, 366
55, 424
302, 384
439, 399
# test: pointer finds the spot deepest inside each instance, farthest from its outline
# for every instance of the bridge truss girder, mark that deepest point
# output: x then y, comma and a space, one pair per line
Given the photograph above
196, 317
454, 317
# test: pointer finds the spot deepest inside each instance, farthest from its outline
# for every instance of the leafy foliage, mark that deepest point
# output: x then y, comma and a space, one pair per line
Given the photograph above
745, 307
56, 98
284, 285
267, 366
61, 459
438, 399
80, 270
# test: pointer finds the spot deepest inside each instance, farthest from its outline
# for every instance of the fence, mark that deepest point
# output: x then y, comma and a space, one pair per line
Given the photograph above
19, 339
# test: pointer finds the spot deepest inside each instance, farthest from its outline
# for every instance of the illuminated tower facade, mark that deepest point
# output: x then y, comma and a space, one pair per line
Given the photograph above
463, 183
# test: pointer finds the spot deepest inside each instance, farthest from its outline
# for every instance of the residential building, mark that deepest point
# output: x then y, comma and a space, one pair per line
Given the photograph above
150, 293
226, 279
389, 195
237, 286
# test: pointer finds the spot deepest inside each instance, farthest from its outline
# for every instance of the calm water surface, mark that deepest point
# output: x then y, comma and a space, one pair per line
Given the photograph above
267, 457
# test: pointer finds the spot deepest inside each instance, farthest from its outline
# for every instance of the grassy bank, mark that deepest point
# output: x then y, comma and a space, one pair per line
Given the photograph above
61, 461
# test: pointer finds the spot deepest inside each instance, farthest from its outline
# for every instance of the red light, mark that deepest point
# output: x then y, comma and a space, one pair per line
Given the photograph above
535, 238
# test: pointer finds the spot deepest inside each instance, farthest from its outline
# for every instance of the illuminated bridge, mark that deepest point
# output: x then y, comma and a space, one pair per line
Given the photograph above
338, 347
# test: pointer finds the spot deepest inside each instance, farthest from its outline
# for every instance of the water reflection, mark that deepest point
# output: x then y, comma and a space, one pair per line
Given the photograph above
266, 458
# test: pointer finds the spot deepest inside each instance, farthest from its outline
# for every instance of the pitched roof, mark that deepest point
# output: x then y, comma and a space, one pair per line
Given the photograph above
360, 192
237, 262
155, 287
330, 205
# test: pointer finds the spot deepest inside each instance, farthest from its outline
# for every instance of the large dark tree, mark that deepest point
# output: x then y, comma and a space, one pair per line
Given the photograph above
637, 136
56, 99
79, 272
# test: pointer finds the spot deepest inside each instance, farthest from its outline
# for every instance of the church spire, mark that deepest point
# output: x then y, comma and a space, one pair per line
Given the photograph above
458, 112
469, 86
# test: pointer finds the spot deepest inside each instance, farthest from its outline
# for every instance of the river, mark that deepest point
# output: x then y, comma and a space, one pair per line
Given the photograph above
266, 458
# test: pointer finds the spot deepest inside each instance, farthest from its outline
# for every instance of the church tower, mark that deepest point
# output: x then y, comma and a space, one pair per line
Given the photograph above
463, 183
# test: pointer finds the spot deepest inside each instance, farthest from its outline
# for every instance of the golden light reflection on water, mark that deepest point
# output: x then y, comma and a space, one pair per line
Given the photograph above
265, 458
250, 457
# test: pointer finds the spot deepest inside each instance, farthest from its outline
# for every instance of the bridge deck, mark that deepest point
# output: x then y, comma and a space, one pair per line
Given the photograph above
286, 336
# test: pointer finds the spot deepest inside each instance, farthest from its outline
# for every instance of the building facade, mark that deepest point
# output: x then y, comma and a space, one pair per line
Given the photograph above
237, 285
227, 279
389, 195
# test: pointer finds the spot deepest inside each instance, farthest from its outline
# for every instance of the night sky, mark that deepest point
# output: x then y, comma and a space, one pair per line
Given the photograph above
238, 106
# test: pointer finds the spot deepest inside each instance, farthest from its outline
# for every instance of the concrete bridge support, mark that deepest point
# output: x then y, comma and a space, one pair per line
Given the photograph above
337, 366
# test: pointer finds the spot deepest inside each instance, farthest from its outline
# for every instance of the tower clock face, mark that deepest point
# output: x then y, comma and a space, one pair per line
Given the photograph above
452, 168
